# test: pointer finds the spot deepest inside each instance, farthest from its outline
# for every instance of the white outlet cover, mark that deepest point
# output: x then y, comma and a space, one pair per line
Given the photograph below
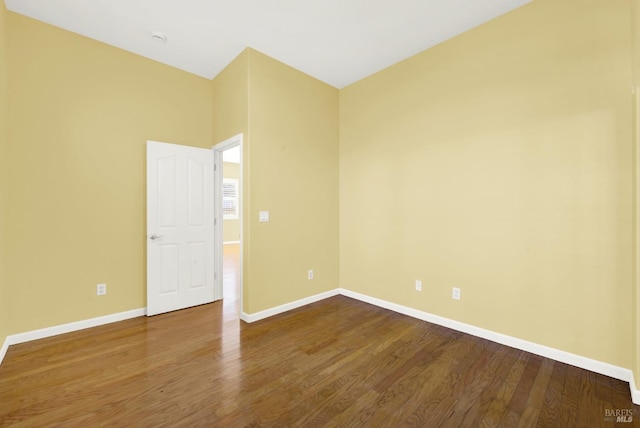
101, 289
455, 293
418, 285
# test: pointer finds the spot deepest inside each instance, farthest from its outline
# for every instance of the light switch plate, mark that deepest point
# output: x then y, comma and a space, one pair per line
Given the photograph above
263, 216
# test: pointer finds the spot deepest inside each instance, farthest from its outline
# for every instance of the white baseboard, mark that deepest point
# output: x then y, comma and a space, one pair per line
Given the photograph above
3, 350
595, 366
287, 306
14, 339
635, 393
230, 242
545, 351
513, 342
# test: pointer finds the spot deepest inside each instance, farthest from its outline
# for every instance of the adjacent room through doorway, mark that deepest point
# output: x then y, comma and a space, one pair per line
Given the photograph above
231, 231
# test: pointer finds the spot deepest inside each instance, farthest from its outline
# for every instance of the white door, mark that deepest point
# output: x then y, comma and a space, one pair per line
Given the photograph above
180, 259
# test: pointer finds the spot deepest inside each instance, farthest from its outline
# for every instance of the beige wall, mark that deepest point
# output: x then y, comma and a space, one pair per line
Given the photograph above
5, 329
500, 162
635, 16
292, 166
289, 123
231, 228
81, 112
230, 92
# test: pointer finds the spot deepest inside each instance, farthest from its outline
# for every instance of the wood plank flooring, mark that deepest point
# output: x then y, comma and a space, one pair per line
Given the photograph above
338, 362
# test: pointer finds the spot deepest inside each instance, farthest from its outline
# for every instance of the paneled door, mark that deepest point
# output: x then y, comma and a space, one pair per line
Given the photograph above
180, 227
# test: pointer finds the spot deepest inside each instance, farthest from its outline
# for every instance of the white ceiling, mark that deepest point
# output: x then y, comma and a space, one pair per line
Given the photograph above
336, 41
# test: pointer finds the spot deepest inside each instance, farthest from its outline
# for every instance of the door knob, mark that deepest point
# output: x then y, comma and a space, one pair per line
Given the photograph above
154, 237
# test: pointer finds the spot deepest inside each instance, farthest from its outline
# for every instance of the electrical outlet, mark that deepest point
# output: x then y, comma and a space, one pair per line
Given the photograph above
418, 285
101, 289
310, 274
455, 293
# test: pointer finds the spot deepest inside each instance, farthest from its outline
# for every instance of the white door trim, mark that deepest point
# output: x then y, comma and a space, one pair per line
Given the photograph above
236, 140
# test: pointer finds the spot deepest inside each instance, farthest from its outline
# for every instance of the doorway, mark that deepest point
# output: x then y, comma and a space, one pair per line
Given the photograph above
228, 224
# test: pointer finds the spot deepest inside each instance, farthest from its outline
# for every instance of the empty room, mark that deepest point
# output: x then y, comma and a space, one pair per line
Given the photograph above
320, 213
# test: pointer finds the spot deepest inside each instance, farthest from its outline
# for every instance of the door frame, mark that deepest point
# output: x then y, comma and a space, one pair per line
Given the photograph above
236, 140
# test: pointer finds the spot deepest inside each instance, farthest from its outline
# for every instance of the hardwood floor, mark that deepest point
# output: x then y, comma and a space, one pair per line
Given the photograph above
231, 282
338, 362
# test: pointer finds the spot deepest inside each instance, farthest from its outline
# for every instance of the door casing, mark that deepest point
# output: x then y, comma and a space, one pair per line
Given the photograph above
218, 149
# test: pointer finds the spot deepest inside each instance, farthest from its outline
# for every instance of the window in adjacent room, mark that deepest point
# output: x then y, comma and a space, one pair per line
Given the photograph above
230, 199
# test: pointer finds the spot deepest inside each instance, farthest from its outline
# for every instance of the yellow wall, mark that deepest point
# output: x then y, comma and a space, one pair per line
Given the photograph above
231, 228
230, 92
81, 112
636, 300
501, 165
293, 168
289, 123
635, 25
500, 162
230, 111
4, 180
635, 18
